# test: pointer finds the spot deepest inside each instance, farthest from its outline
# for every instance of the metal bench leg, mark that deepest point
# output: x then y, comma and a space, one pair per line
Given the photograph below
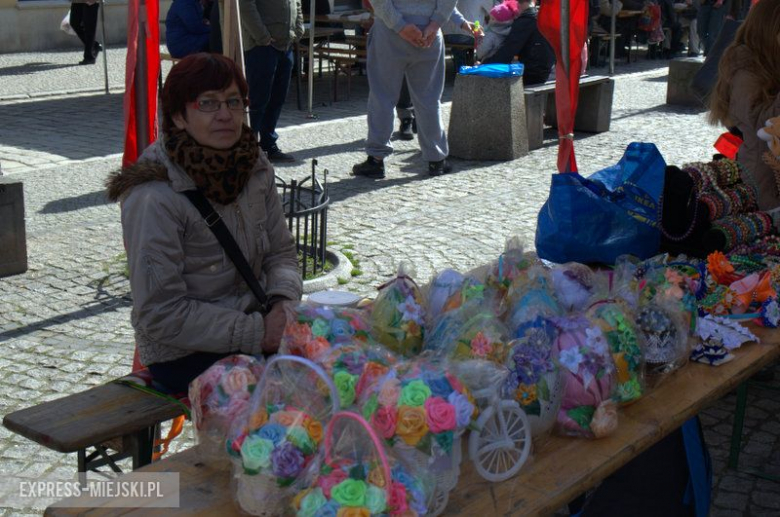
739, 421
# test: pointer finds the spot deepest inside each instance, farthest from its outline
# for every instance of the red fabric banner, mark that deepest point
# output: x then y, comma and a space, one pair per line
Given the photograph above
566, 83
145, 113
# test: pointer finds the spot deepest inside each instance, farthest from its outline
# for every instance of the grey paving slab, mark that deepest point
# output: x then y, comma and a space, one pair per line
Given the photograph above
64, 325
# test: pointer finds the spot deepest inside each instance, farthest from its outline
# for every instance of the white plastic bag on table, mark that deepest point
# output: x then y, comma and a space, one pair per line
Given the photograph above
218, 397
272, 449
356, 475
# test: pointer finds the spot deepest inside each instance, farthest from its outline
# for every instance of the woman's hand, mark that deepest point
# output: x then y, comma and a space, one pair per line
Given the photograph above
275, 322
429, 34
412, 34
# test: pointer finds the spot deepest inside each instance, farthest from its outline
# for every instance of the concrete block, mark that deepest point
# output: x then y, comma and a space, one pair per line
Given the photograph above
678, 88
594, 107
487, 120
13, 240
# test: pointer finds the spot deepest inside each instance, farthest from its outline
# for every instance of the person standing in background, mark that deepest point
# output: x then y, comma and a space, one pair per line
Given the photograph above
406, 40
83, 20
186, 28
268, 29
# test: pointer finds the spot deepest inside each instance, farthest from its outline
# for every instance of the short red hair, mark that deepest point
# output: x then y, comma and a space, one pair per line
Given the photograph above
193, 75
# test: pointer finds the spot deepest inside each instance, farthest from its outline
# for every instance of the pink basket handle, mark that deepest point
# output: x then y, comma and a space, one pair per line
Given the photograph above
371, 433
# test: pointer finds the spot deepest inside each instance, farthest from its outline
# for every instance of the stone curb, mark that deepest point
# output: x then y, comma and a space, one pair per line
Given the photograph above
342, 270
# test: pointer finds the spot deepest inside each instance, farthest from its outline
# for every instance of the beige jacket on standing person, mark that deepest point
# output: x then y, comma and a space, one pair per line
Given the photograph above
270, 22
749, 117
187, 295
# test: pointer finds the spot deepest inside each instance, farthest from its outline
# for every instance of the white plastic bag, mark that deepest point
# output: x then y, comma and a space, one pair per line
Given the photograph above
65, 25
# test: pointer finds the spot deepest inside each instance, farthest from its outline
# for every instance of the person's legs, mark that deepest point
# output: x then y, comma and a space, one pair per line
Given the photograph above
459, 56
385, 65
426, 83
405, 111
693, 38
260, 70
277, 96
176, 375
715, 22
77, 20
702, 24
90, 27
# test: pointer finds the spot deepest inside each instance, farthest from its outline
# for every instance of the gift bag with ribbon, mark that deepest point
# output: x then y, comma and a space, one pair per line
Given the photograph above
611, 213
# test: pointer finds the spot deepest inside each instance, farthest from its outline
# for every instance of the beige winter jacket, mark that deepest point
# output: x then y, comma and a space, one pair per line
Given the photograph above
265, 20
749, 117
187, 295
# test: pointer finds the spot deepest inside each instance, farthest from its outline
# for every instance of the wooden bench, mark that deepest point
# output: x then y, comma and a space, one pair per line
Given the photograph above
126, 417
562, 468
594, 109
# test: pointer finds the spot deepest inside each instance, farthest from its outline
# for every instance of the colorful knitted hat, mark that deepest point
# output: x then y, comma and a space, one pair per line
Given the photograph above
506, 11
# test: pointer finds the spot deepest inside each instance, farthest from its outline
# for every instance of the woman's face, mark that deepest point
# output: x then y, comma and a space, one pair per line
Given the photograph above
215, 118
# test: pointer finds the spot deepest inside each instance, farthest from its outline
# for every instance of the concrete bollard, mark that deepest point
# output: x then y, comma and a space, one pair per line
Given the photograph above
678, 88
487, 121
13, 240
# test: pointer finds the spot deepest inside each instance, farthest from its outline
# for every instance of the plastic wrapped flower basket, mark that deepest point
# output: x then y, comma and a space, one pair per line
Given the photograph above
312, 329
357, 477
470, 332
280, 437
587, 408
355, 369
397, 316
534, 379
617, 326
219, 396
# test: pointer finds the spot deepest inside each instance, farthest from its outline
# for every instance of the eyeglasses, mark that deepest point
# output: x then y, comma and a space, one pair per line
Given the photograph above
212, 105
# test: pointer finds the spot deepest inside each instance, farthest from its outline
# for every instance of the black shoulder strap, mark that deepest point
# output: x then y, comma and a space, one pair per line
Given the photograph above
221, 232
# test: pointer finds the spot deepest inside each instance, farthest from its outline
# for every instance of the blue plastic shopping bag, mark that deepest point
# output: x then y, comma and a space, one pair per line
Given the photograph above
494, 70
614, 212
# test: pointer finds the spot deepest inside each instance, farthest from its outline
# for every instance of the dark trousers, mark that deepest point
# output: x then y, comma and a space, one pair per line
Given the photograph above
83, 20
268, 72
175, 376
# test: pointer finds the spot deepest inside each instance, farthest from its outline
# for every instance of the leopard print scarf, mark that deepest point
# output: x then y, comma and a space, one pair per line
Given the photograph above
220, 174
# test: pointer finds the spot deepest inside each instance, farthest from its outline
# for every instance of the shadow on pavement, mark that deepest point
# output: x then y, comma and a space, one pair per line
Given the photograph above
66, 126
69, 204
33, 68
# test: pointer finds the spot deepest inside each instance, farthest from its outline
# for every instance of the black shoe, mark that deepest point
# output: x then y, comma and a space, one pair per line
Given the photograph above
371, 168
96, 48
439, 168
276, 155
405, 130
86, 61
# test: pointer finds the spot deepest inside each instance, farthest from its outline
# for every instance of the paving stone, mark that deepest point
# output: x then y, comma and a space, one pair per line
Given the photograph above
731, 500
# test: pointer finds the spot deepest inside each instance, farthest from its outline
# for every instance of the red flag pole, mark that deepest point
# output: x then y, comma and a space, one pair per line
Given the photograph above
141, 94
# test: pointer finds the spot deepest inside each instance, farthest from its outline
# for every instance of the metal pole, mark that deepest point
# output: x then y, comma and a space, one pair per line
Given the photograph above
565, 35
105, 46
140, 83
612, 30
312, 14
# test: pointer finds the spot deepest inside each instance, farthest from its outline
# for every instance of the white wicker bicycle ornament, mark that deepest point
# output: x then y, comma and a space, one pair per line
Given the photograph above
293, 401
356, 476
501, 444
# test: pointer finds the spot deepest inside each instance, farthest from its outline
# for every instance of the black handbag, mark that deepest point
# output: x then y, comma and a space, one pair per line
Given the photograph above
217, 226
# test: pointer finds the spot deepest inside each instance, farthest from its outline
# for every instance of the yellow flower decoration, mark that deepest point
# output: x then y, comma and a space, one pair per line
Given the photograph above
526, 394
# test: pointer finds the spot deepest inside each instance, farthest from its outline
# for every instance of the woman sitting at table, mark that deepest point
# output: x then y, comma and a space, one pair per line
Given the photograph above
748, 93
191, 306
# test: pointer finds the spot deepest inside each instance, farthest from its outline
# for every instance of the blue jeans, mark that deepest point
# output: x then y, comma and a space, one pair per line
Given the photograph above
268, 73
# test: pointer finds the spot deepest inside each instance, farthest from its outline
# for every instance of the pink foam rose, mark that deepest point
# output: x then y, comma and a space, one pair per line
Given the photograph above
238, 408
238, 381
328, 482
389, 393
384, 421
397, 501
440, 415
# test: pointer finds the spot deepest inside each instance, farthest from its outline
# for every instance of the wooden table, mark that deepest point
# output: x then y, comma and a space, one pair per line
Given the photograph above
561, 469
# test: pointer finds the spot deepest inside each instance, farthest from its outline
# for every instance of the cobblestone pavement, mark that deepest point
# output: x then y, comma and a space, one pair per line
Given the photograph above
64, 325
